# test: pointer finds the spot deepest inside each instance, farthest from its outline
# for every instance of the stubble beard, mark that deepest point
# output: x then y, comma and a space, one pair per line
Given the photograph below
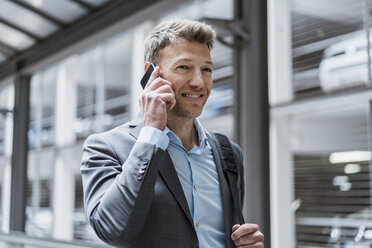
179, 112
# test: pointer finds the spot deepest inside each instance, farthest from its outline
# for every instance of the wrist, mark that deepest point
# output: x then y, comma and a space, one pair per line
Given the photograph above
157, 125
154, 136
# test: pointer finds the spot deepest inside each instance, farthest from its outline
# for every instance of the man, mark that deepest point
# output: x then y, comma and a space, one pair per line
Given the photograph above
158, 181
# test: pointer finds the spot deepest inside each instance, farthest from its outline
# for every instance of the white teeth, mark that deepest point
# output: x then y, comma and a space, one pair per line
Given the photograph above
192, 96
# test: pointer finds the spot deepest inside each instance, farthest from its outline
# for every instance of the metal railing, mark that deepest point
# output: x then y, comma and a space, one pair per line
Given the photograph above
21, 240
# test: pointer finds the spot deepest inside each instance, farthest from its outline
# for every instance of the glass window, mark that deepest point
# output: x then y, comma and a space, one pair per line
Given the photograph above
204, 8
42, 116
41, 160
323, 39
331, 175
30, 21
118, 59
221, 9
64, 10
39, 210
14, 38
87, 81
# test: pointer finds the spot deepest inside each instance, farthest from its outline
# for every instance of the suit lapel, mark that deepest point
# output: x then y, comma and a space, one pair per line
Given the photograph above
225, 191
167, 172
170, 177
135, 127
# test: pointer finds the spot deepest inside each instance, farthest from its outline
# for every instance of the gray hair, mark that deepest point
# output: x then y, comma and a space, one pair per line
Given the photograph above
168, 31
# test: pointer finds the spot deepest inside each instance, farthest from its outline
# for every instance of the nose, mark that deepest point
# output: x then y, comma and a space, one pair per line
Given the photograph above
197, 80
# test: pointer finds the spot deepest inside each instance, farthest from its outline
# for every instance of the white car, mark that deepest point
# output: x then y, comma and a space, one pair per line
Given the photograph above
344, 63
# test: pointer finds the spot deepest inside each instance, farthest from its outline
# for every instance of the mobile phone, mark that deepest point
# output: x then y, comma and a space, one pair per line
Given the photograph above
147, 75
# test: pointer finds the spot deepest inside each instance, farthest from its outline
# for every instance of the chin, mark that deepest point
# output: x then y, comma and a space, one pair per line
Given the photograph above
182, 113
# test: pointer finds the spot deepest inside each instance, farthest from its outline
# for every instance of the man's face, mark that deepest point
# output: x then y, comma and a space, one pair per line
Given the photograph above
188, 66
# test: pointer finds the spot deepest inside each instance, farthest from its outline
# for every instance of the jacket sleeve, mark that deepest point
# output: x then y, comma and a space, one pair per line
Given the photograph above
118, 196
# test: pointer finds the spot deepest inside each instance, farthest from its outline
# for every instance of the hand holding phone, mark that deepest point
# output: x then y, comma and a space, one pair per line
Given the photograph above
152, 99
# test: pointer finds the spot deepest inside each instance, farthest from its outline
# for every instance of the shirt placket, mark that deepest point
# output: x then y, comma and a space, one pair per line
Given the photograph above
195, 192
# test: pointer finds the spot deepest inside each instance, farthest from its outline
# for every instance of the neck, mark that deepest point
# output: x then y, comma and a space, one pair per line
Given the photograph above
185, 130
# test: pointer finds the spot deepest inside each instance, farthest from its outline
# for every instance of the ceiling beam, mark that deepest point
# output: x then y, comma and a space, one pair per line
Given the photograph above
7, 50
102, 18
22, 30
85, 5
39, 12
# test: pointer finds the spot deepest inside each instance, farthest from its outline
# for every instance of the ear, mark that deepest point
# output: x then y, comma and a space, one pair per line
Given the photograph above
147, 64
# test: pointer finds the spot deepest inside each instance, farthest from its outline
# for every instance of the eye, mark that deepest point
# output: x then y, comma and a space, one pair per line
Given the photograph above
183, 67
207, 69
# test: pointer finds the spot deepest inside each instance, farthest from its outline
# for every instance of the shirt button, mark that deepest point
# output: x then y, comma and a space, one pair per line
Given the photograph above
145, 161
174, 139
197, 223
195, 187
189, 154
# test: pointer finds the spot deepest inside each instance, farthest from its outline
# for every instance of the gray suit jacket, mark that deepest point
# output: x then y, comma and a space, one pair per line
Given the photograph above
132, 194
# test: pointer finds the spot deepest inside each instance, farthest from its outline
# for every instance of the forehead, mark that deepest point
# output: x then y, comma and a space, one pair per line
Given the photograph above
182, 49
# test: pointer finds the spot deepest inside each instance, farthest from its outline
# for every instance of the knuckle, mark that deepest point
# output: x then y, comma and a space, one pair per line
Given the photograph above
162, 103
260, 237
234, 236
245, 228
167, 87
255, 226
159, 100
152, 96
237, 242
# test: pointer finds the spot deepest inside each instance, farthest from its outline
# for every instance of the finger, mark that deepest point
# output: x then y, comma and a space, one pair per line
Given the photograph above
158, 82
172, 103
165, 88
171, 100
168, 98
153, 76
244, 230
235, 227
250, 239
257, 245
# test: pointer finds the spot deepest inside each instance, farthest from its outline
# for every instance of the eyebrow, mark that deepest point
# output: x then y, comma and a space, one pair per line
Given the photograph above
190, 60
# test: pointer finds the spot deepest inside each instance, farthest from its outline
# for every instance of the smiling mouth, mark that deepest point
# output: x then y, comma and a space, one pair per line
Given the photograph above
195, 96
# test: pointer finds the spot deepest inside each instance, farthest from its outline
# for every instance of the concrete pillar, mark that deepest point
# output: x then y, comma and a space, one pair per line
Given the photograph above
19, 153
64, 180
8, 143
280, 53
252, 110
280, 91
281, 184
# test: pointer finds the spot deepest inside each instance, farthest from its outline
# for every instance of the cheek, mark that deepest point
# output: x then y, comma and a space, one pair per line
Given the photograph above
209, 84
175, 87
178, 83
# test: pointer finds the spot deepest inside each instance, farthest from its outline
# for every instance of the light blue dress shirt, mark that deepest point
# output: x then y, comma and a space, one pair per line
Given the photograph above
199, 179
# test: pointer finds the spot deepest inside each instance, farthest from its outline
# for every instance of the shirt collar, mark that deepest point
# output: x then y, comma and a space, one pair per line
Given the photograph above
203, 139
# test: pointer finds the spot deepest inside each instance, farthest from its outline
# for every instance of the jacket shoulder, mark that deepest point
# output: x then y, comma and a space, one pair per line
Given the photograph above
117, 142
